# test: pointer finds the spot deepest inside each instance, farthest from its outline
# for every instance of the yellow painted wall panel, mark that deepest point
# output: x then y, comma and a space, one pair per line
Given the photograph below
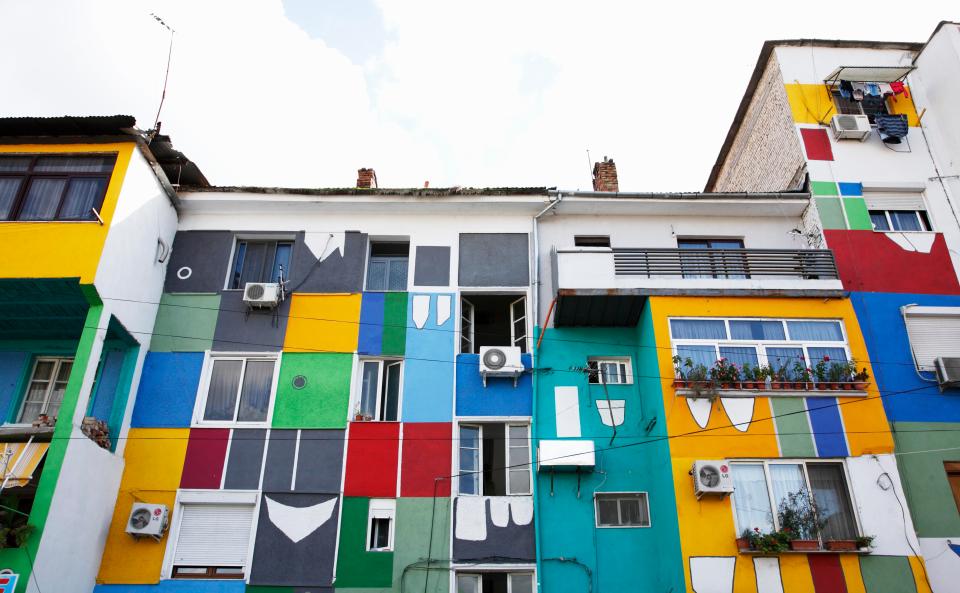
851, 573
919, 574
154, 461
323, 323
812, 104
796, 575
62, 249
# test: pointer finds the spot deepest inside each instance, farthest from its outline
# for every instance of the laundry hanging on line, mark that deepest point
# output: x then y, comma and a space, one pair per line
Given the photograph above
892, 128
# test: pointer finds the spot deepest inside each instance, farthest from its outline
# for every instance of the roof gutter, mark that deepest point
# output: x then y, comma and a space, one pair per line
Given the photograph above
681, 196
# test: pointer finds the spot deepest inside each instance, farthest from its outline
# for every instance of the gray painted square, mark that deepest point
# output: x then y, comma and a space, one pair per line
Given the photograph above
340, 272
494, 259
319, 460
242, 330
433, 266
513, 542
278, 472
203, 257
245, 459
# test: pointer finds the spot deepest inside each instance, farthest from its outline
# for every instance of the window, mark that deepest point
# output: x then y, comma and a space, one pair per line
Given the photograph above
492, 320
591, 240
696, 262
870, 106
780, 343
260, 261
953, 477
495, 582
622, 509
212, 535
761, 487
380, 525
44, 394
933, 332
237, 389
610, 371
380, 390
46, 187
387, 266
494, 459
899, 220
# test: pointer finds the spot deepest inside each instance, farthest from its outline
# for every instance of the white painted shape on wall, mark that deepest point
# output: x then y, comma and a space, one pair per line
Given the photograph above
521, 509
739, 410
471, 524
322, 245
566, 402
700, 408
611, 413
421, 309
443, 308
768, 575
298, 522
879, 513
499, 511
943, 564
920, 242
712, 574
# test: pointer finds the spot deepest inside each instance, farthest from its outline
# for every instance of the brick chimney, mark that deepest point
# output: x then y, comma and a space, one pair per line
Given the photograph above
366, 178
605, 176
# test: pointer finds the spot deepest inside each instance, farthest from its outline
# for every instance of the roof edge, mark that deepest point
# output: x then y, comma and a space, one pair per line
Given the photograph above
356, 191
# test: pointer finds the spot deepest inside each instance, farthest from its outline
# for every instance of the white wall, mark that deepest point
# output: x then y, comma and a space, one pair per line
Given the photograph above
810, 65
880, 513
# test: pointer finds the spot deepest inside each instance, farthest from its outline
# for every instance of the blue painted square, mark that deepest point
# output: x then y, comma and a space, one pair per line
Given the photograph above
850, 189
371, 324
168, 390
827, 427
499, 397
428, 366
178, 586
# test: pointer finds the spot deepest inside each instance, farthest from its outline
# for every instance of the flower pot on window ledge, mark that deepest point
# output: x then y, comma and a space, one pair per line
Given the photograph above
743, 544
804, 545
680, 383
842, 545
860, 385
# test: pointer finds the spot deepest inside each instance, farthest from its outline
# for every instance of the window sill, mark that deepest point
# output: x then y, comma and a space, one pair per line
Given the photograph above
834, 390
860, 552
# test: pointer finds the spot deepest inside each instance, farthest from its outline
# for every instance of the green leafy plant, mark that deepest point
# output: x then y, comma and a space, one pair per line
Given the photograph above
766, 543
678, 366
861, 376
801, 373
14, 530
724, 371
820, 369
798, 516
865, 541
839, 372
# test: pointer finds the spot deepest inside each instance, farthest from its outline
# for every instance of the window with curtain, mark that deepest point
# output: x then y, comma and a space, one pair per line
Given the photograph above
900, 220
53, 187
238, 390
751, 501
260, 261
380, 390
48, 382
387, 266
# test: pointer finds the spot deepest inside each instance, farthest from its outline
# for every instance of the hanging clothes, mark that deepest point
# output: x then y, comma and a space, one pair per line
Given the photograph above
885, 89
873, 89
859, 90
846, 89
899, 88
892, 128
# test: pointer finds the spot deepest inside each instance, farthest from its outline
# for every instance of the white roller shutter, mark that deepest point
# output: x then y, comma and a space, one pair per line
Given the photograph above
213, 534
934, 332
894, 202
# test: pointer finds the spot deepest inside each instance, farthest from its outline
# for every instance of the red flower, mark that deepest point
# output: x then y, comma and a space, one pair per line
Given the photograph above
826, 359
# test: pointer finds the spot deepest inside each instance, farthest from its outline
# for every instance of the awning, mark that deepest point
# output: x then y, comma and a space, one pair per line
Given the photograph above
19, 461
868, 74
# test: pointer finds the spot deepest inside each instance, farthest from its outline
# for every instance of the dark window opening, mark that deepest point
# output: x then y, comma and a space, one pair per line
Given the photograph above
17, 504
492, 320
379, 534
494, 459
870, 106
695, 262
591, 240
387, 265
953, 477
208, 572
260, 261
46, 187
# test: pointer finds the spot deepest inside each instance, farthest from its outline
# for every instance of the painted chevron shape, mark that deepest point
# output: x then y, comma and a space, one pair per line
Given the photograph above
297, 523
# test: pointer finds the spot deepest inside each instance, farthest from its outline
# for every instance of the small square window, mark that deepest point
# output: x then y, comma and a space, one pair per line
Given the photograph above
387, 266
609, 371
382, 513
591, 240
625, 509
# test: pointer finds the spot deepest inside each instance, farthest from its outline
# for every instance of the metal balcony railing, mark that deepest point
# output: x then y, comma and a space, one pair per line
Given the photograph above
809, 264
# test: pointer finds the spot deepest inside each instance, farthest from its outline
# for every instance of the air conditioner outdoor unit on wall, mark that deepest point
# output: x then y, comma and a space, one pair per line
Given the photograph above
147, 520
845, 126
261, 295
712, 477
948, 372
500, 361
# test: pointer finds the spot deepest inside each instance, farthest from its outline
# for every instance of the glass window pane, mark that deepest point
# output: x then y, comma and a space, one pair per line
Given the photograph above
9, 186
470, 437
42, 200
607, 509
469, 460
519, 481
739, 355
377, 274
255, 396
468, 583
518, 436
391, 403
783, 360
281, 260
82, 196
43, 370
905, 220
756, 330
238, 264
63, 373
397, 274
787, 479
611, 373
369, 388
879, 220
630, 511
834, 354
252, 270
75, 164
833, 501
222, 393
521, 583
698, 329
705, 355
815, 331
9, 164
751, 501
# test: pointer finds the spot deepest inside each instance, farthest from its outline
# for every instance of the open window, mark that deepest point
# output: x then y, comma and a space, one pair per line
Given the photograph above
494, 582
609, 370
387, 265
260, 261
492, 320
379, 397
382, 514
494, 459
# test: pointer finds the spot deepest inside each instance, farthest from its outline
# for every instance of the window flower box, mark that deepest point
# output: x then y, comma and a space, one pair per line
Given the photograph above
804, 545
842, 545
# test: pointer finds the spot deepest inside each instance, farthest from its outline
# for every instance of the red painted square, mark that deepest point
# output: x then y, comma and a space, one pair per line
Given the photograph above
372, 452
206, 451
817, 143
426, 456
827, 573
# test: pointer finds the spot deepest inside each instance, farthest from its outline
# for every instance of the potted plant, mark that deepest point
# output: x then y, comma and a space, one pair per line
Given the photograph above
797, 514
864, 542
765, 543
837, 374
678, 364
780, 378
802, 376
725, 374
749, 378
699, 379
860, 379
842, 545
14, 530
820, 372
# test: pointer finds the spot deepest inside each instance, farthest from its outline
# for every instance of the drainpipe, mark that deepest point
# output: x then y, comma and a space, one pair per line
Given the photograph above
536, 381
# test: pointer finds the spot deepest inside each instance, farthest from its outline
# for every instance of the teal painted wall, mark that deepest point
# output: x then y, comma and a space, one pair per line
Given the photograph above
572, 550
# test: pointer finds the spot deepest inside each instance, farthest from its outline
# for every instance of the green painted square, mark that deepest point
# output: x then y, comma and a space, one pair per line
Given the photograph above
414, 516
395, 323
831, 214
793, 428
322, 402
824, 188
887, 574
356, 567
857, 215
929, 496
185, 323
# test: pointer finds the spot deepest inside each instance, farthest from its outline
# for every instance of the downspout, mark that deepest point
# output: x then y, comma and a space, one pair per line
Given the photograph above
536, 382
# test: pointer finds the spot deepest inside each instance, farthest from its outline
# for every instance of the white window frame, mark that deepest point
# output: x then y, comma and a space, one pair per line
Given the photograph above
805, 461
479, 423
204, 387
212, 497
382, 508
762, 345
58, 360
617, 360
283, 238
357, 396
466, 328
641, 494
924, 227
478, 572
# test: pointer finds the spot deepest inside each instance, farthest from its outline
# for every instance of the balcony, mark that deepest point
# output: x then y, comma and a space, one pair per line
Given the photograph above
603, 286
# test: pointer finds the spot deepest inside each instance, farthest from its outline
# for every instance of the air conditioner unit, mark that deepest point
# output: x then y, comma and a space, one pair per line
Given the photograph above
147, 520
948, 371
261, 295
712, 477
500, 361
847, 126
